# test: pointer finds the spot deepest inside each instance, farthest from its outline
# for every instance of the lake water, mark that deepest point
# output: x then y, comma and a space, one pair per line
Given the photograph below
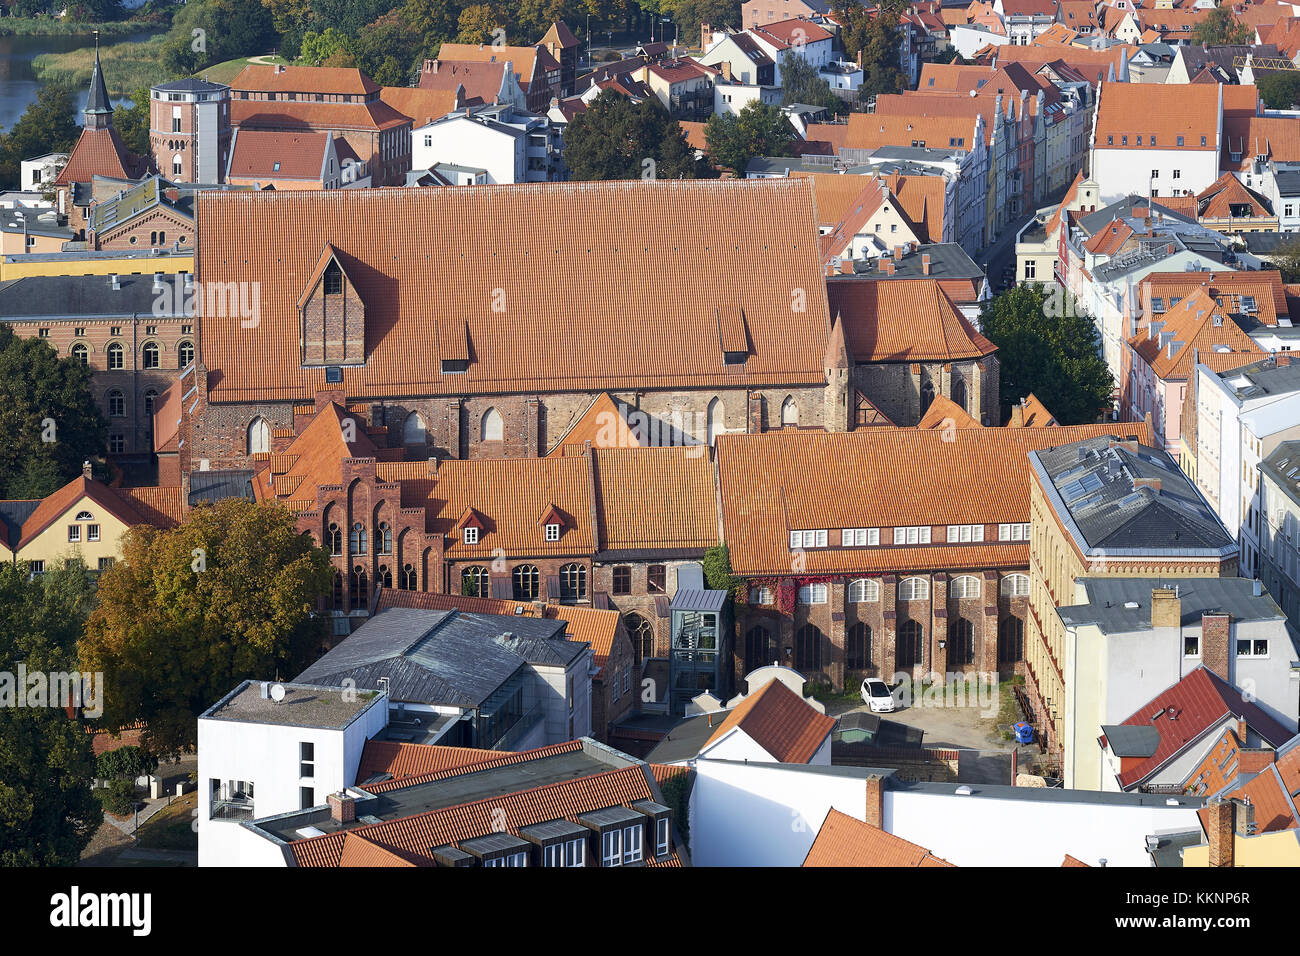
18, 84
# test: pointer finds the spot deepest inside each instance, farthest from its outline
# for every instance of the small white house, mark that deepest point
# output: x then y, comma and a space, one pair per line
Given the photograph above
41, 170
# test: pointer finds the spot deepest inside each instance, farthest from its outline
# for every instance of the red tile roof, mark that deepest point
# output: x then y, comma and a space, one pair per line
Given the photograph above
421, 105
272, 78
417, 836
98, 152
1200, 701
1197, 325
1129, 110
975, 476
160, 507
848, 842
603, 298
481, 82
945, 413
530, 62
1109, 239
266, 155
778, 720
903, 320
300, 115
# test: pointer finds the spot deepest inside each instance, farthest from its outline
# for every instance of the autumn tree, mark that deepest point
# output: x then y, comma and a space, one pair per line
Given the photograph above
187, 614
1221, 27
615, 138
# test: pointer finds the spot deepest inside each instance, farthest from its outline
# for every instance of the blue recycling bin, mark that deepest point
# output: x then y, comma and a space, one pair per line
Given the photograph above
1024, 732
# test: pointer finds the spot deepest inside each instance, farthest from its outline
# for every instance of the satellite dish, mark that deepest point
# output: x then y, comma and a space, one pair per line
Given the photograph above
277, 692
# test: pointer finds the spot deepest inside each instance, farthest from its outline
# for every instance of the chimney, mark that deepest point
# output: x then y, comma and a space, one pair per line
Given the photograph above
925, 263
434, 71
1216, 627
1243, 817
115, 282
726, 70
706, 34
1166, 608
85, 469
1220, 831
1017, 416
343, 807
889, 267
1152, 483
846, 266
876, 801
898, 253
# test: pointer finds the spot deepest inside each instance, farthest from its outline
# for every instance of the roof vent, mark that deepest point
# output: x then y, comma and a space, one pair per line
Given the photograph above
115, 281
963, 791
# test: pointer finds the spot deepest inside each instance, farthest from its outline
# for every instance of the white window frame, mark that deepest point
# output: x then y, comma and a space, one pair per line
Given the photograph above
661, 836
867, 588
808, 539
964, 578
1009, 586
1252, 642
915, 534
633, 843
859, 537
810, 594
920, 583
471, 536
611, 848
74, 533
552, 532
965, 533
1013, 532
92, 532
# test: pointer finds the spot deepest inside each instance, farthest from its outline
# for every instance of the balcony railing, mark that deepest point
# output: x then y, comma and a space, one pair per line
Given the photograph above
232, 809
519, 728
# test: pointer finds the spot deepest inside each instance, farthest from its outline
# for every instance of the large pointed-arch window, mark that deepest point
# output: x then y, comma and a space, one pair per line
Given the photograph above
789, 412
259, 436
492, 427
717, 415
414, 431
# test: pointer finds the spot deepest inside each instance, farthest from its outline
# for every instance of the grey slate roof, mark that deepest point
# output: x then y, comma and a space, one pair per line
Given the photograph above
1282, 467
689, 599
948, 260
1269, 243
42, 298
1092, 486
97, 100
443, 657
1108, 600
1135, 740
686, 738
190, 85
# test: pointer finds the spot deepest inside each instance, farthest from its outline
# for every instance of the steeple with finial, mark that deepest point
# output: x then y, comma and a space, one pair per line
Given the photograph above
99, 108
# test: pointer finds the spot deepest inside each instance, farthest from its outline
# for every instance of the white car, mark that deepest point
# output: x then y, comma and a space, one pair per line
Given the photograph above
877, 694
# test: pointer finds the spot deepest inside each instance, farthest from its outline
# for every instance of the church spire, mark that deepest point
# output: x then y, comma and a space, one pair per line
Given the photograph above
99, 108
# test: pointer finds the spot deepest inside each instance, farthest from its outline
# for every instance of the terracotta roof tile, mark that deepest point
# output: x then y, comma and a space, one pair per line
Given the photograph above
656, 498
980, 476
300, 115
420, 105
1071, 861
1129, 110
1276, 137
412, 760
267, 155
846, 841
528, 61
1264, 284
160, 507
1217, 201
481, 82
98, 152
603, 293
945, 413
903, 320
271, 78
1195, 325
779, 721
1110, 239
419, 835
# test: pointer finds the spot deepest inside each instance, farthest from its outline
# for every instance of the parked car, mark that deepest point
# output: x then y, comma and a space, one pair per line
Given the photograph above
877, 694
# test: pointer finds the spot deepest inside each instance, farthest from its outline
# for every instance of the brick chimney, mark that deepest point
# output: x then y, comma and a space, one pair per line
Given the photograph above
1215, 631
1017, 416
85, 470
1152, 483
925, 263
726, 70
1220, 832
1166, 608
889, 267
706, 35
343, 807
846, 266
898, 253
876, 801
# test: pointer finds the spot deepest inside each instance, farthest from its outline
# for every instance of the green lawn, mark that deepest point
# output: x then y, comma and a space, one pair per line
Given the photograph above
171, 827
225, 72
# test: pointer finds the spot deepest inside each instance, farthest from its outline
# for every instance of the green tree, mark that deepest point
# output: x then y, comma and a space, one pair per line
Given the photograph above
316, 48
51, 422
47, 811
431, 21
132, 123
48, 125
1048, 347
690, 14
618, 139
1287, 261
1221, 27
717, 569
876, 36
228, 29
801, 84
129, 762
1280, 90
760, 129
387, 51
189, 613
348, 16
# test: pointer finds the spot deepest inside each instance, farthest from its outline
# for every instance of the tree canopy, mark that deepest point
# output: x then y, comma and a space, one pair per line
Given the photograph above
187, 614
800, 83
48, 125
760, 129
615, 138
47, 811
1220, 26
876, 36
1050, 350
47, 412
1280, 90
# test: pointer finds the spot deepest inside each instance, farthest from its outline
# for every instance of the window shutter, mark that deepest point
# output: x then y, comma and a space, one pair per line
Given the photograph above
501, 587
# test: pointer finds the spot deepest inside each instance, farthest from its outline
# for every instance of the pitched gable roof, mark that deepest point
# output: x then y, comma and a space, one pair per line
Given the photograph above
779, 721
903, 320
945, 413
60, 502
849, 842
653, 499
580, 327
1200, 701
421, 105
268, 155
532, 63
1197, 324
98, 152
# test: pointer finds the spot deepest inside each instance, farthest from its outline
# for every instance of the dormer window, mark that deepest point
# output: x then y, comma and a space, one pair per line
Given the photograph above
552, 532
471, 535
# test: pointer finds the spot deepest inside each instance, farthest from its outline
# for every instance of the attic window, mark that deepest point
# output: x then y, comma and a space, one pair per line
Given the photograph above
276, 168
1248, 303
454, 365
732, 358
333, 375
1157, 303
471, 535
333, 279
552, 532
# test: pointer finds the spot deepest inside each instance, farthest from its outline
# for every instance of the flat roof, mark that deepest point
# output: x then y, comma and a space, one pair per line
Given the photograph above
304, 705
1109, 601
